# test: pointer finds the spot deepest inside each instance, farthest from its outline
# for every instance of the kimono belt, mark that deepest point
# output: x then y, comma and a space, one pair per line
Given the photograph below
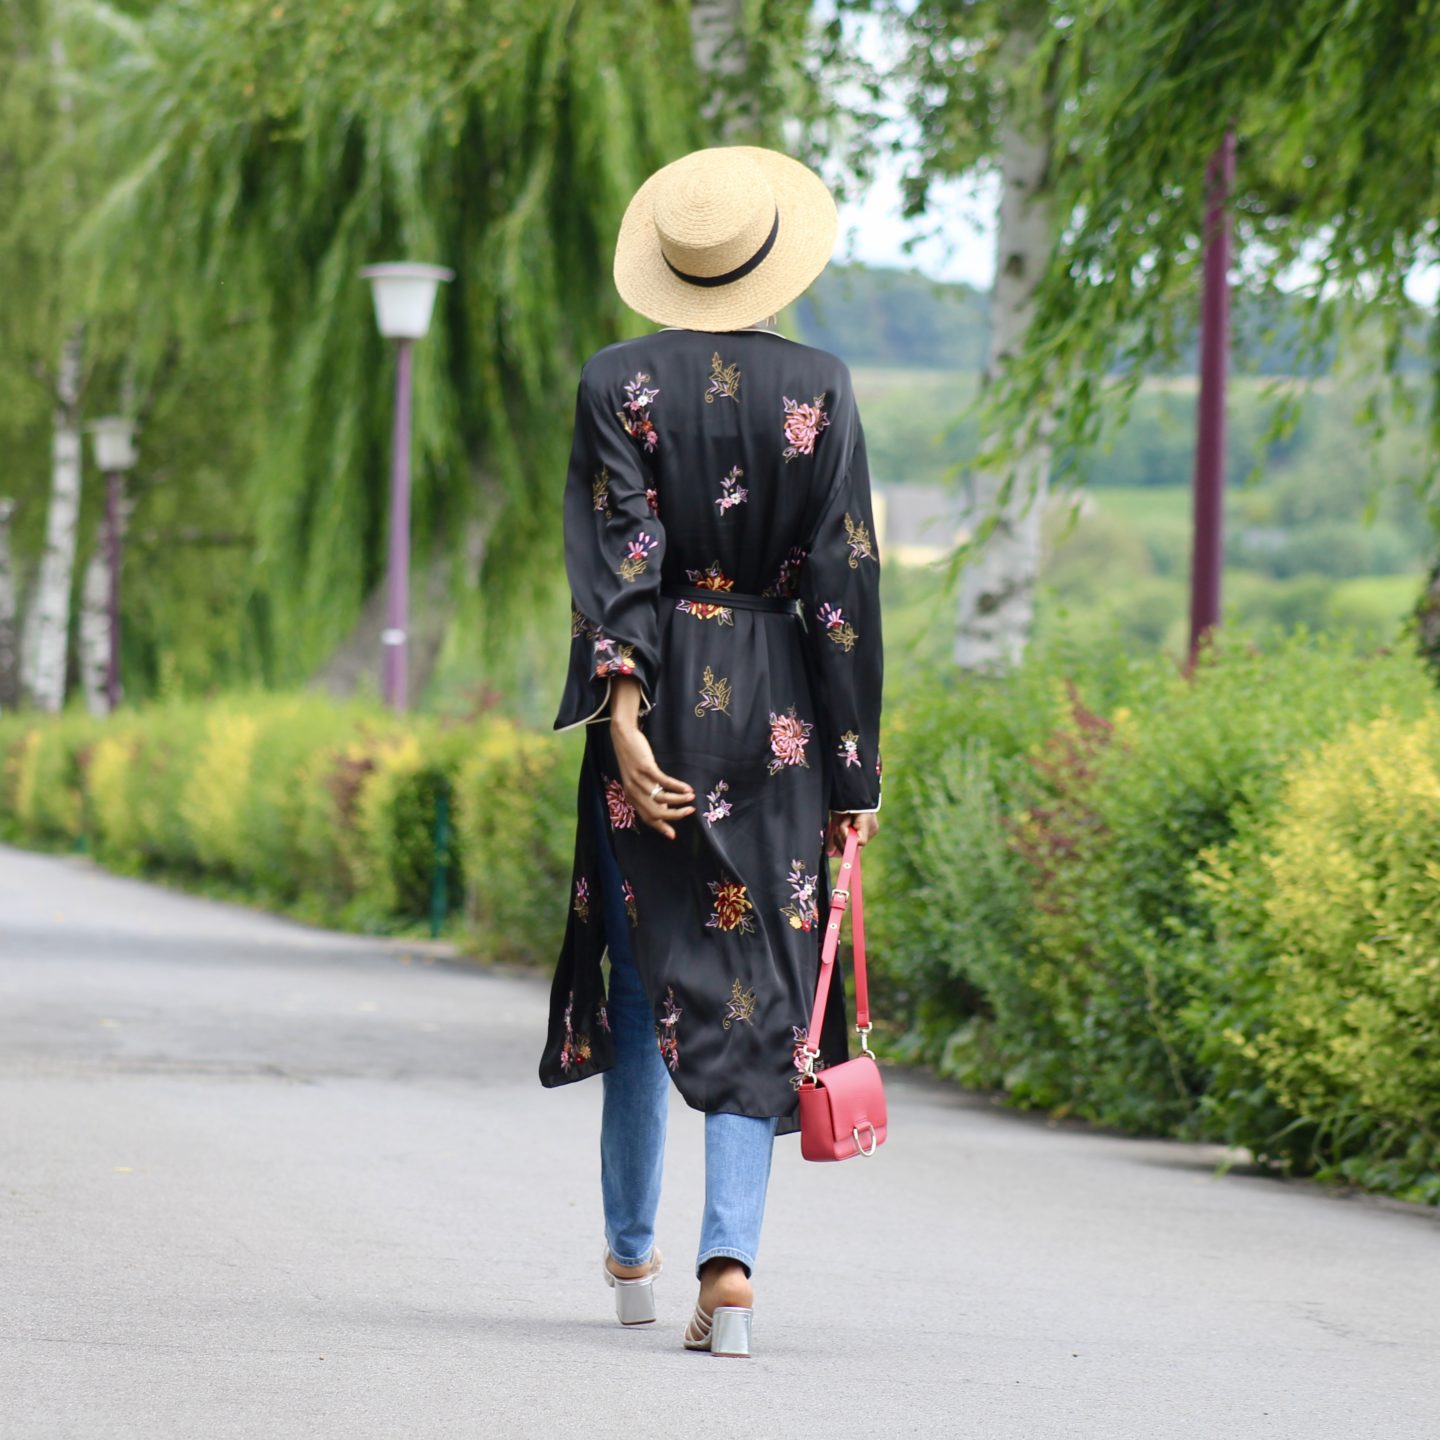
773, 603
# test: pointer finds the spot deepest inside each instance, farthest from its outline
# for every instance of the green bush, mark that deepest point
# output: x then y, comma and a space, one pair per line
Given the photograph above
1332, 915
948, 907
329, 811
1203, 906
1114, 836
1042, 920
397, 822
49, 786
516, 803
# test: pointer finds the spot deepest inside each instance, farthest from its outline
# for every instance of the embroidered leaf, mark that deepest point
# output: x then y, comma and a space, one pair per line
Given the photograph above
714, 693
741, 1006
857, 536
724, 381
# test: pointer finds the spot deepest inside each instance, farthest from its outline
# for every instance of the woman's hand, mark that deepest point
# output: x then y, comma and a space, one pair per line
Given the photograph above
864, 821
658, 798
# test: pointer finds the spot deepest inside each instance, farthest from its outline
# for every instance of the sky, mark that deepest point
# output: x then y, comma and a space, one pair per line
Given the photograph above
956, 241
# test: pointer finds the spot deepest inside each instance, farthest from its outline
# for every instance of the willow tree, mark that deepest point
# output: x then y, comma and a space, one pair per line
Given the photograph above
1336, 202
43, 348
980, 106
262, 155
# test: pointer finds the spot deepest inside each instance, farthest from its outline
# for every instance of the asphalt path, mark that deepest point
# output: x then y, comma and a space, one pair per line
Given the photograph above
259, 1180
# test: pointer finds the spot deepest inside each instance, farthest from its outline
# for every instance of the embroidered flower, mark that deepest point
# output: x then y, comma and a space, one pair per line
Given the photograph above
837, 627
652, 499
798, 1046
579, 625
600, 492
581, 904
612, 658
724, 381
857, 537
849, 749
637, 556
718, 808
714, 694
667, 1030
622, 812
576, 1049
635, 415
741, 1006
732, 492
801, 912
602, 1019
631, 912
784, 582
711, 578
731, 908
789, 735
803, 424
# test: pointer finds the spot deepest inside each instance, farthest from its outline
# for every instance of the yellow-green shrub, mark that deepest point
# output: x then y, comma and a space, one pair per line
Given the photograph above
17, 735
516, 815
117, 830
1348, 935
397, 815
50, 784
145, 804
212, 800
291, 732
330, 861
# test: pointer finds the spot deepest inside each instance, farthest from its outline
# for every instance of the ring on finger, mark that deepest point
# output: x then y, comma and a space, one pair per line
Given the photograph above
659, 789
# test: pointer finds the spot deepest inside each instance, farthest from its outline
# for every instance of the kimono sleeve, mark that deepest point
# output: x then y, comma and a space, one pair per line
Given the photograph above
614, 546
840, 587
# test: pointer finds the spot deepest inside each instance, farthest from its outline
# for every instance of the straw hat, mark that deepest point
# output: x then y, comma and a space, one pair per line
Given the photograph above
722, 238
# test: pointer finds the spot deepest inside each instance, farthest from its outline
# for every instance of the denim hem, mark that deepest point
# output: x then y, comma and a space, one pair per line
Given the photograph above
631, 1264
724, 1252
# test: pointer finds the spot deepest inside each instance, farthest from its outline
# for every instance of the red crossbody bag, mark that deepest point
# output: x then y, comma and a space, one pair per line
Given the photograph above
842, 1108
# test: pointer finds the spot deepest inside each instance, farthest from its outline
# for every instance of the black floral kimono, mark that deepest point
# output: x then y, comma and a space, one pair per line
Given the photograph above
719, 543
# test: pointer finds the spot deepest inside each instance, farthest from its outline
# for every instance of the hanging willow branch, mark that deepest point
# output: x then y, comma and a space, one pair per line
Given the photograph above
261, 154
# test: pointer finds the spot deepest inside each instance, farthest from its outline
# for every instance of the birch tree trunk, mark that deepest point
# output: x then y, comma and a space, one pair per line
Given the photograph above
997, 586
718, 51
48, 620
9, 607
94, 639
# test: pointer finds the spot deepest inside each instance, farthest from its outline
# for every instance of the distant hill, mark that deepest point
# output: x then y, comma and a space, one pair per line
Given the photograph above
872, 316
899, 318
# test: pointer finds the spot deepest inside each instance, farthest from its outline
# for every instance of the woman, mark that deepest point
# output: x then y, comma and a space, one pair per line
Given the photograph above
717, 484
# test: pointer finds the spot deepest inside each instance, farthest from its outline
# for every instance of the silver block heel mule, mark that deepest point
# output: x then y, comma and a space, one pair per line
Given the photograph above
726, 1332
634, 1299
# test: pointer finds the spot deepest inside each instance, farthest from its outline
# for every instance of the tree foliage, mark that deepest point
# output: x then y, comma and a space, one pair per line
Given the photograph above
261, 153
1335, 200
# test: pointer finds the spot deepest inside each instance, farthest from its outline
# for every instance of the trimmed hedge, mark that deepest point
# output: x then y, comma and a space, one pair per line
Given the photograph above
1202, 906
327, 811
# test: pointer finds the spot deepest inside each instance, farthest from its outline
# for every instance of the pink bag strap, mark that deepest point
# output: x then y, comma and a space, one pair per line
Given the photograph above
847, 893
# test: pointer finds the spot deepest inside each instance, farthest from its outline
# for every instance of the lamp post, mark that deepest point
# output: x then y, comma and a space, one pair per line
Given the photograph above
1208, 553
404, 299
114, 442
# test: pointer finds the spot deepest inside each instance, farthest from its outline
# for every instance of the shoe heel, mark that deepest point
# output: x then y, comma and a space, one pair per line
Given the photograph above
730, 1334
635, 1301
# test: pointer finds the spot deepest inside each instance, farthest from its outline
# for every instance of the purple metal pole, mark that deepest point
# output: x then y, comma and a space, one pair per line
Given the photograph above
397, 616
1208, 553
113, 482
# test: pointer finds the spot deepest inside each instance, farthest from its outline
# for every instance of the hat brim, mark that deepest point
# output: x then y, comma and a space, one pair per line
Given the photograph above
803, 246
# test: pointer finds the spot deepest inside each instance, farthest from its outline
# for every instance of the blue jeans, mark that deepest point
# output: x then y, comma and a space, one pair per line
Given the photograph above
637, 1098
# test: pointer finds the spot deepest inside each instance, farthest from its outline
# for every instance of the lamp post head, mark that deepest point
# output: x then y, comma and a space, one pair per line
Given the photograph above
404, 297
114, 442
